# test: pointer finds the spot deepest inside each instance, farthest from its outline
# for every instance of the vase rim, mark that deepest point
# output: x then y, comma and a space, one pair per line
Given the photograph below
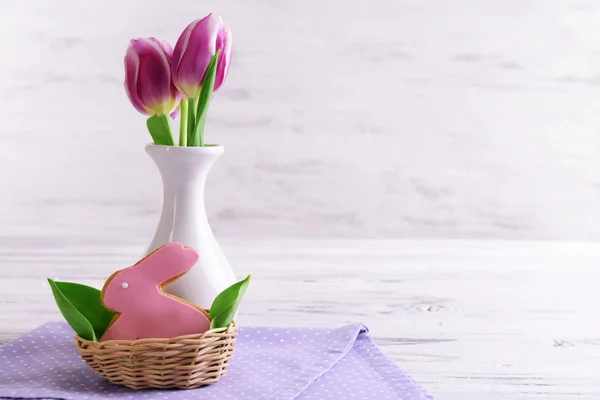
210, 145
211, 148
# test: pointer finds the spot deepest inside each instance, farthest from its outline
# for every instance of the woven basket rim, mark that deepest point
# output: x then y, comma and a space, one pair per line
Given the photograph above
182, 362
193, 336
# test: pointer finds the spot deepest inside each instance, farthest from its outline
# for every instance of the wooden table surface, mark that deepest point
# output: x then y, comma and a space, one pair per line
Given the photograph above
470, 320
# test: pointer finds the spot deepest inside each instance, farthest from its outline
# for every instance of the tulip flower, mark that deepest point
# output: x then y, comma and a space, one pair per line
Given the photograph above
148, 77
195, 48
149, 85
199, 67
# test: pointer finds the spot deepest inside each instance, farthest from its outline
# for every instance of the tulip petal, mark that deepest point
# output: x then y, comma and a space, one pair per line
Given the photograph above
175, 96
223, 43
181, 46
132, 64
176, 112
154, 77
193, 53
166, 47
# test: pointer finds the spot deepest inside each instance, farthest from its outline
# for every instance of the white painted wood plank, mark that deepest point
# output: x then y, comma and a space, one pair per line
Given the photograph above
471, 320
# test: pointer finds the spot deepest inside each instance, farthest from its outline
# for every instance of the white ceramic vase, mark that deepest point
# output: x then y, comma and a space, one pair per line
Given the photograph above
183, 219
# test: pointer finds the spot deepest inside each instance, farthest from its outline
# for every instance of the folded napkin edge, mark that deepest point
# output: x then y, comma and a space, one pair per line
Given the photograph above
345, 337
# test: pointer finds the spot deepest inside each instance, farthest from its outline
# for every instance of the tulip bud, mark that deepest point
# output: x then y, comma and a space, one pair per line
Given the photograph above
148, 77
194, 50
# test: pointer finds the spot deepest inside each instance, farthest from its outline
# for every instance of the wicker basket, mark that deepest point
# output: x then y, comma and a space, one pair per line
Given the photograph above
183, 362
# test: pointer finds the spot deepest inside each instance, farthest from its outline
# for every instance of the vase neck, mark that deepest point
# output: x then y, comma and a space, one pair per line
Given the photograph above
184, 166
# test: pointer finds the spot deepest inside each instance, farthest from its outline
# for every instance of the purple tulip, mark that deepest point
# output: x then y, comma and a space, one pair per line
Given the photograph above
148, 77
193, 51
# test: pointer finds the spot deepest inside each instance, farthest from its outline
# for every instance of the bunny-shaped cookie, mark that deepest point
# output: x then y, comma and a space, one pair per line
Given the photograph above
143, 309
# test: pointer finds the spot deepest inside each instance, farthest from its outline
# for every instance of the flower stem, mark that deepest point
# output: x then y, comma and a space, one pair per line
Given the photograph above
193, 103
183, 123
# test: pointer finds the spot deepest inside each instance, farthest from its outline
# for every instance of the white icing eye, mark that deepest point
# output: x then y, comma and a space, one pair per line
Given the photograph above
124, 285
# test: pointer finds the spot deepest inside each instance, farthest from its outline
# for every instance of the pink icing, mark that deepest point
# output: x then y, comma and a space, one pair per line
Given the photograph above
145, 310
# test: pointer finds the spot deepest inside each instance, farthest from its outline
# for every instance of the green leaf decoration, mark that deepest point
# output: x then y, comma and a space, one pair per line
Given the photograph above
197, 138
226, 304
159, 127
82, 307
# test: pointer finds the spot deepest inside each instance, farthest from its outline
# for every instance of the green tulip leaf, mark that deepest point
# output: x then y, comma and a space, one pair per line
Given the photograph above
159, 127
82, 307
226, 303
197, 138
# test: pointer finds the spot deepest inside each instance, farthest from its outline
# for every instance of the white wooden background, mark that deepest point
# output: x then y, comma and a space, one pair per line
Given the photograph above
345, 118
470, 320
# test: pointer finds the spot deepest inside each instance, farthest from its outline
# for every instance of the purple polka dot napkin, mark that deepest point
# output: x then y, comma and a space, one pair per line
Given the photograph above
268, 363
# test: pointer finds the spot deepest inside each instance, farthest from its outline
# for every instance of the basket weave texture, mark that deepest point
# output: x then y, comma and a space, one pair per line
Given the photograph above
183, 362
